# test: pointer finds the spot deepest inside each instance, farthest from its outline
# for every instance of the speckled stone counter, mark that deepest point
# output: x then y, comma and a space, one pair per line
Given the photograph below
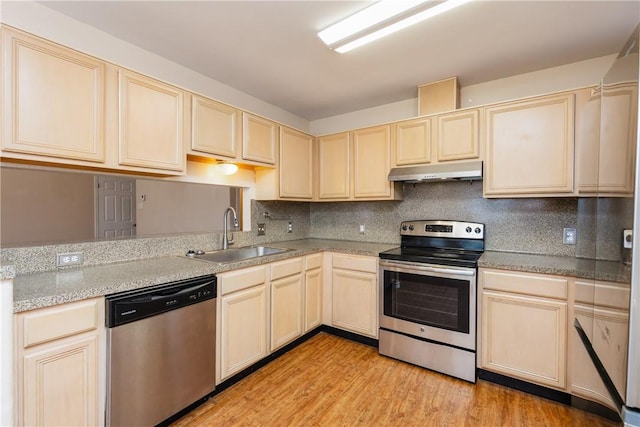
7, 272
43, 289
558, 265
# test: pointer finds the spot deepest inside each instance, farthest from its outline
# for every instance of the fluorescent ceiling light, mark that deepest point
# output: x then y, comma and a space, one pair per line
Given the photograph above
370, 21
366, 18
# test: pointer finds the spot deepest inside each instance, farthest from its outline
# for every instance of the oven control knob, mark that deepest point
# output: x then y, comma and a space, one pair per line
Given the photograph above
411, 227
421, 329
404, 227
468, 229
478, 230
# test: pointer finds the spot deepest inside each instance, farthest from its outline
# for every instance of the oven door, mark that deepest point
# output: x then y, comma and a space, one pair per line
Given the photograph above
436, 303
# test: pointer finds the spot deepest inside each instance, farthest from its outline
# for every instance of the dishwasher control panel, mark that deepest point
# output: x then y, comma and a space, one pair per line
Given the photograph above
126, 307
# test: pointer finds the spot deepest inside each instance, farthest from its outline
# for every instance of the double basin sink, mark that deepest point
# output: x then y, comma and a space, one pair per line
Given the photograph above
237, 254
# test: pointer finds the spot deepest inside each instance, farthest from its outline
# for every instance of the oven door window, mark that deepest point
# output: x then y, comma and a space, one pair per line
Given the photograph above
427, 300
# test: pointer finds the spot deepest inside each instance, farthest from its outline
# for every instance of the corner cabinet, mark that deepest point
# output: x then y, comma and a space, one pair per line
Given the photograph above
523, 331
354, 294
259, 139
60, 365
334, 166
53, 101
296, 164
151, 123
530, 147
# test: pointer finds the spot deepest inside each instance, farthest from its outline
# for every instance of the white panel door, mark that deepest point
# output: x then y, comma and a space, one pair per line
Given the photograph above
115, 207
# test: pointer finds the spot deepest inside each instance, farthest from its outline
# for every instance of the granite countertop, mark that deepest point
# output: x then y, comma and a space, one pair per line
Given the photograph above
43, 289
610, 271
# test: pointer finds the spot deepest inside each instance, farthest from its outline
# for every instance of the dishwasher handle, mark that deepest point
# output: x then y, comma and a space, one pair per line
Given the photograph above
131, 306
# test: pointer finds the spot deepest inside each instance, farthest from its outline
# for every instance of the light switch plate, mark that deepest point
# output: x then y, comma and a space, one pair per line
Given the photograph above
627, 239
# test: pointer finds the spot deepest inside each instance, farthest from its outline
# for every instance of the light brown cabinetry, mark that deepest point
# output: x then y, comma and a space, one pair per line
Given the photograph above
372, 163
243, 320
334, 166
151, 123
53, 101
259, 139
602, 308
458, 135
413, 142
313, 291
524, 320
296, 164
59, 359
530, 147
215, 128
354, 294
287, 281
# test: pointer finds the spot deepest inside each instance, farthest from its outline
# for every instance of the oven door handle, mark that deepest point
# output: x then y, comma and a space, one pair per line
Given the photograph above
448, 271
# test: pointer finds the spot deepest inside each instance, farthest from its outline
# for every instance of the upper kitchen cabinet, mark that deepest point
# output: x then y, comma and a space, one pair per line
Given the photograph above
259, 139
215, 128
372, 163
151, 124
529, 147
413, 142
457, 136
53, 102
296, 164
334, 167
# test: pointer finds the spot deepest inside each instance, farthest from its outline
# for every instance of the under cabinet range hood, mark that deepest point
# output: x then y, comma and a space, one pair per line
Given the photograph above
466, 171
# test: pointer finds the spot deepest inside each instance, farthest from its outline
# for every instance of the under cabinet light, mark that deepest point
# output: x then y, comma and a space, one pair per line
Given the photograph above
226, 168
392, 27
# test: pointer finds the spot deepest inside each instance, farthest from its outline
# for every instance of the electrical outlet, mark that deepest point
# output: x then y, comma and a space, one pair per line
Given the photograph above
262, 229
361, 228
627, 239
569, 236
290, 227
69, 259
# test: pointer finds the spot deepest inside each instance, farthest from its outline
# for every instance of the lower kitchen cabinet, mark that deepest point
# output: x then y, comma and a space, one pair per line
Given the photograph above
524, 320
313, 292
355, 294
59, 359
243, 320
286, 301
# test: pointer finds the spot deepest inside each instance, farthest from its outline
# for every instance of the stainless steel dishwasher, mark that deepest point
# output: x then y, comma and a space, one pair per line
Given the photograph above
160, 350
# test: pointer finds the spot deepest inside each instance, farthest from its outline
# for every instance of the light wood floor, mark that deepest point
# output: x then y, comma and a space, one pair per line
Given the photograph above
330, 381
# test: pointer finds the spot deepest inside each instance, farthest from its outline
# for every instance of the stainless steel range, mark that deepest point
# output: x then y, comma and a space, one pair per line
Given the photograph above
428, 296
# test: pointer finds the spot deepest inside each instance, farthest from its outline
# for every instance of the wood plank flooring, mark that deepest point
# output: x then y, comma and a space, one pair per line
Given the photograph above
331, 381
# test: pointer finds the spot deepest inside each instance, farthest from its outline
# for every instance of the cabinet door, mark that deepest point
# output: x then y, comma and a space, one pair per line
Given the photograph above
286, 310
355, 302
313, 299
151, 123
296, 164
525, 337
259, 137
334, 166
413, 142
243, 341
53, 99
458, 136
617, 139
61, 383
372, 162
215, 127
529, 147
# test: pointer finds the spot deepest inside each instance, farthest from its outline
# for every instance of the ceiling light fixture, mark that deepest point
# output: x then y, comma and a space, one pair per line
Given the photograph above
368, 18
226, 168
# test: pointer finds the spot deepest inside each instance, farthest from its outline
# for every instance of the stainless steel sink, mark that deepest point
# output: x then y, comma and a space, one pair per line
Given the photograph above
239, 254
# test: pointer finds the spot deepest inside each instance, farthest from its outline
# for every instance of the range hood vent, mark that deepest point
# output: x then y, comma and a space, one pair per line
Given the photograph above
461, 171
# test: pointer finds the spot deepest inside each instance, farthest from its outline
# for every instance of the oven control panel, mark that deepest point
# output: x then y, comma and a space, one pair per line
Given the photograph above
441, 228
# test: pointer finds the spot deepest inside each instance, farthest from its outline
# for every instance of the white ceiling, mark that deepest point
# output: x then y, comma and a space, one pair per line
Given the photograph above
269, 49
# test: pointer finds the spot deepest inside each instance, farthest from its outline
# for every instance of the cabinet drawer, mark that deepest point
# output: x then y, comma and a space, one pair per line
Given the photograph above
523, 283
241, 279
48, 324
313, 261
286, 268
607, 294
358, 263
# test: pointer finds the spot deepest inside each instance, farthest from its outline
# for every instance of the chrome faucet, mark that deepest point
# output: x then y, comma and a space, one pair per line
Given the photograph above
225, 239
